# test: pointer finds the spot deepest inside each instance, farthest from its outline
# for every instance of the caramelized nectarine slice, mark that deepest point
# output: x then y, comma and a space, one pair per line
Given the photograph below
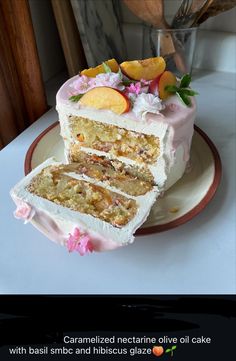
147, 69
106, 98
167, 78
92, 72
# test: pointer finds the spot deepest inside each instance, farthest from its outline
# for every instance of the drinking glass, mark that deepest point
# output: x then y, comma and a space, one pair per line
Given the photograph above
176, 46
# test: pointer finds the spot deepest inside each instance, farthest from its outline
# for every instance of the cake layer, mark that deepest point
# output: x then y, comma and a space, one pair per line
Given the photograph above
50, 198
132, 180
115, 140
173, 129
83, 196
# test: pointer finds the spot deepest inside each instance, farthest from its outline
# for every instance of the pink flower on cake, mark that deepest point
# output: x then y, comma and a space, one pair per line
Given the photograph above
145, 82
82, 84
134, 88
137, 88
112, 80
24, 211
79, 242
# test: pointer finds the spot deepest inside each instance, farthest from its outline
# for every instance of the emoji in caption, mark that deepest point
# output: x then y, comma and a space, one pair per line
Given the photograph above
157, 350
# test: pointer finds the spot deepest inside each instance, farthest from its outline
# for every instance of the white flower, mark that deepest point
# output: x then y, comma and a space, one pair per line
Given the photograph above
147, 103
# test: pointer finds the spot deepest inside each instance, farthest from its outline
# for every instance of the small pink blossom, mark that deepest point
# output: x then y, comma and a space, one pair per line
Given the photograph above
137, 88
134, 88
82, 84
84, 246
24, 211
145, 82
79, 242
112, 80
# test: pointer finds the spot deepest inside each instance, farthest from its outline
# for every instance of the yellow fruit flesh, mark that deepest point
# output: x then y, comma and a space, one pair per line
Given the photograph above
147, 69
167, 78
105, 98
92, 72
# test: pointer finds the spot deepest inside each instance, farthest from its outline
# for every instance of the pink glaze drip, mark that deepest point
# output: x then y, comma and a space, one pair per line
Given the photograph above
55, 232
180, 118
49, 227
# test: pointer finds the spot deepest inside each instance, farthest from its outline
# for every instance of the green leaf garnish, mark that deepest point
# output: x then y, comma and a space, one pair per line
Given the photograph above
173, 347
185, 99
120, 74
189, 92
168, 350
171, 88
183, 90
106, 68
128, 82
76, 98
185, 81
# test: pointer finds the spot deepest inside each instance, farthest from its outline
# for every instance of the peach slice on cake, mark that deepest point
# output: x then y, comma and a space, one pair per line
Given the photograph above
92, 72
106, 98
167, 78
158, 85
147, 69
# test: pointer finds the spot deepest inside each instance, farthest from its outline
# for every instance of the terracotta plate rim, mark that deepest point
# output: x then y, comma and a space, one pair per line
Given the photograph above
178, 221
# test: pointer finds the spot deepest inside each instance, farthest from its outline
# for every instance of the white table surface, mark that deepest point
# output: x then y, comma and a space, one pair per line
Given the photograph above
198, 257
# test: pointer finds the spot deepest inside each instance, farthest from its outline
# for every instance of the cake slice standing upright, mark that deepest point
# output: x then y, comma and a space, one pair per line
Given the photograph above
134, 115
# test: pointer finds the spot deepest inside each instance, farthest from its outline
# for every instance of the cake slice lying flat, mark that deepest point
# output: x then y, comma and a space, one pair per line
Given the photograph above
90, 205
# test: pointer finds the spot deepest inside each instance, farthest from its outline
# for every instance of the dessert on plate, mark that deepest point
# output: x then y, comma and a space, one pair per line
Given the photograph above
127, 132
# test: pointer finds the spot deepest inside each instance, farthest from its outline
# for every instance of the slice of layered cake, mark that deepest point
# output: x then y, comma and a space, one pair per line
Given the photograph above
136, 113
94, 204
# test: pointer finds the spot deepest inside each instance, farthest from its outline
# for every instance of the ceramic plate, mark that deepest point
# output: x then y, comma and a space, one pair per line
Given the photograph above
180, 203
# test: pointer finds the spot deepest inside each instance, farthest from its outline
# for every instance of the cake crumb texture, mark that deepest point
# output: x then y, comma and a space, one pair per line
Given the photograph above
79, 195
132, 180
117, 141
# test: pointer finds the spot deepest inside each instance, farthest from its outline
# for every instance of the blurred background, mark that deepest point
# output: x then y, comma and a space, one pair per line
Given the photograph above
109, 29
43, 42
